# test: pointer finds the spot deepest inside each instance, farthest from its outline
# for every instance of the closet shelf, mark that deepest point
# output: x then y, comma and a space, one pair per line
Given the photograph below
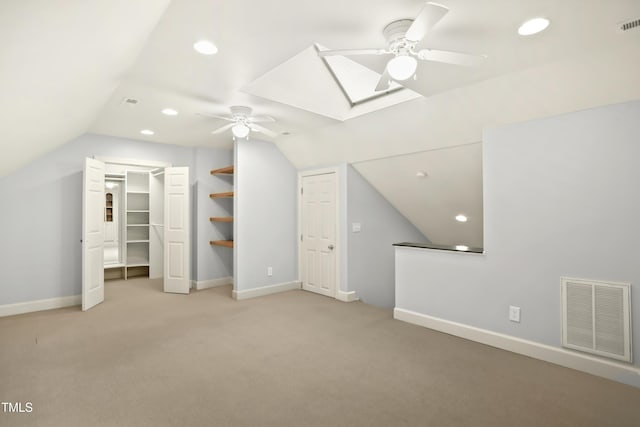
221, 195
114, 265
137, 192
137, 210
142, 264
137, 225
221, 219
228, 170
137, 241
225, 243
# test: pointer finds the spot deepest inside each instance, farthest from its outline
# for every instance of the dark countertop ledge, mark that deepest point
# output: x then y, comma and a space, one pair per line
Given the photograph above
439, 247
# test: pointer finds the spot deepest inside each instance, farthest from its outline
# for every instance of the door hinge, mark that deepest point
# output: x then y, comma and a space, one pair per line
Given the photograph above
301, 190
301, 238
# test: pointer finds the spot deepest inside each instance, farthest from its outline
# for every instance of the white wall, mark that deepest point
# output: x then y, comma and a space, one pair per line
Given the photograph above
560, 199
41, 215
265, 227
370, 258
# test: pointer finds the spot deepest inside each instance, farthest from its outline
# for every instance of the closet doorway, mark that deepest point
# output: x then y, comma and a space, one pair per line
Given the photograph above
136, 222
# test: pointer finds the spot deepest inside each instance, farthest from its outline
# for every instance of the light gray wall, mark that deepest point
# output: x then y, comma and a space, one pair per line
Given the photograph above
370, 252
212, 262
41, 215
266, 216
561, 199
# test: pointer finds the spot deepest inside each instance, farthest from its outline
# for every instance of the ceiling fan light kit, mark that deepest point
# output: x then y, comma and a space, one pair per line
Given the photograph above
402, 67
242, 123
240, 130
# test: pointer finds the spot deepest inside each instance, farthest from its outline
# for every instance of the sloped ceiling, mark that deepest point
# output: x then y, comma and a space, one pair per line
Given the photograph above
452, 185
59, 63
65, 68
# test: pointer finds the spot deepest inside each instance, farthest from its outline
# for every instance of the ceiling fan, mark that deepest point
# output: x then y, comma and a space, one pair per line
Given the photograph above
402, 38
242, 123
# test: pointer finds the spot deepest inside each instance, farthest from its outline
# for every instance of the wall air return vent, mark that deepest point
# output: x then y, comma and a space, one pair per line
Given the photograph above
629, 25
596, 317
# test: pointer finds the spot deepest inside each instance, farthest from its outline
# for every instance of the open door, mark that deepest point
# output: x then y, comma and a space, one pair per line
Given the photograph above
177, 241
93, 234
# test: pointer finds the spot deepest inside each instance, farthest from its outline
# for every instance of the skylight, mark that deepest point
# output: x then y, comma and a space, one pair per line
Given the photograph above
356, 81
341, 89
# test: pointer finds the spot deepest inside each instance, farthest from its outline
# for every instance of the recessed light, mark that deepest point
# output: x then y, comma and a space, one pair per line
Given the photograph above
147, 132
205, 47
533, 26
170, 112
461, 218
421, 174
462, 248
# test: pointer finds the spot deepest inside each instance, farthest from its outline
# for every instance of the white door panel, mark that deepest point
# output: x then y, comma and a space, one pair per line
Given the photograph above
93, 234
318, 226
177, 242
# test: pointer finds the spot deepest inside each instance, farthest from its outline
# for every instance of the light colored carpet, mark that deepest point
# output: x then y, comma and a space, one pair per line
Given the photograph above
145, 358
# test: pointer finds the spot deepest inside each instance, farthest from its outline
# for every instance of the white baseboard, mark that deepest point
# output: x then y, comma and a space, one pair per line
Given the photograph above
266, 290
39, 305
346, 296
213, 283
616, 371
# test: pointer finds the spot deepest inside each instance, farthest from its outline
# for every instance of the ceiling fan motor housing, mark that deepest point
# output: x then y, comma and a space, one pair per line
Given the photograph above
240, 111
395, 33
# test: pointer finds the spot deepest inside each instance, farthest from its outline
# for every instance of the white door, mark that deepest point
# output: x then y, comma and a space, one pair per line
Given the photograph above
93, 234
318, 228
177, 242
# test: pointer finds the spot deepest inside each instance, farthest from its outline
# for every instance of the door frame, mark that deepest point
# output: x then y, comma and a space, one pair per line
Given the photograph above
338, 250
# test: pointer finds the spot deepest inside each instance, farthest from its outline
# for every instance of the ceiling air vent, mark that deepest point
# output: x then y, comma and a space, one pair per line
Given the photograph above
629, 25
596, 318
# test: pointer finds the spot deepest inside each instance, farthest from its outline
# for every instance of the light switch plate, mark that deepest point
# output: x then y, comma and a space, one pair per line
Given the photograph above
356, 227
514, 313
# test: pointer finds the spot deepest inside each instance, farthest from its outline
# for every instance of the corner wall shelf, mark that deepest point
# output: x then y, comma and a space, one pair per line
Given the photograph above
228, 170
225, 243
221, 195
221, 219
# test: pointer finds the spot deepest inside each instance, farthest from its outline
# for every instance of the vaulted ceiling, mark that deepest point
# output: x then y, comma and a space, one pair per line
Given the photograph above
66, 67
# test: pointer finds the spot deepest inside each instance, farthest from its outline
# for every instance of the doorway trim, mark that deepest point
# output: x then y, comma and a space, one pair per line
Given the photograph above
134, 162
338, 251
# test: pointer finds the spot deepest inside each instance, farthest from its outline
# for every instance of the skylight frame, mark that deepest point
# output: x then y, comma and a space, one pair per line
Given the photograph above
354, 103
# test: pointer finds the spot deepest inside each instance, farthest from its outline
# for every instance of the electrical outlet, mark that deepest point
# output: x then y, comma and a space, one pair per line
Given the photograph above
514, 313
269, 271
356, 227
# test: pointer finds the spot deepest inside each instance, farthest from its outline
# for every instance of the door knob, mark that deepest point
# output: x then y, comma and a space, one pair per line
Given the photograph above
331, 247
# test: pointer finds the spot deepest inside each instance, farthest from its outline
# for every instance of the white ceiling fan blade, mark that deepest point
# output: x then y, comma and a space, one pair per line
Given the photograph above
262, 129
449, 57
427, 19
385, 81
261, 119
349, 52
223, 128
213, 116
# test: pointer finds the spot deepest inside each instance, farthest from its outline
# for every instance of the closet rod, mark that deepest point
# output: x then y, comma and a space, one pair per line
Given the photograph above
158, 225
